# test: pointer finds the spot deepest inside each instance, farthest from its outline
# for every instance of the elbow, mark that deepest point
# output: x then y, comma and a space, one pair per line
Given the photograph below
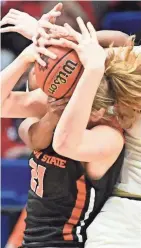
21, 131
121, 39
61, 145
96, 173
59, 148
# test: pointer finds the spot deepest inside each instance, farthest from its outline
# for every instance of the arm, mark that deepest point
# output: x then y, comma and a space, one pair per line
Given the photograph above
108, 37
73, 122
105, 37
25, 24
37, 133
10, 76
25, 104
71, 138
21, 104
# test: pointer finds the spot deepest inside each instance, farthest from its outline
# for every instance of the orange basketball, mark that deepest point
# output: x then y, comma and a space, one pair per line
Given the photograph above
60, 77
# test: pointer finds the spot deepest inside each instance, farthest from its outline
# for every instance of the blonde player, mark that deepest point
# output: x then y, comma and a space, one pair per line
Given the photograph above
119, 222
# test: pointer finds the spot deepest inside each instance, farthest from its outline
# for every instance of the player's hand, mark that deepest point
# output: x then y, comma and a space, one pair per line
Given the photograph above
48, 30
31, 54
55, 108
22, 22
90, 53
50, 17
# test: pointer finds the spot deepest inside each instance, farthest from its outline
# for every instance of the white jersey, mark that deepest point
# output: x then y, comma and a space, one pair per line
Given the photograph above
118, 225
130, 178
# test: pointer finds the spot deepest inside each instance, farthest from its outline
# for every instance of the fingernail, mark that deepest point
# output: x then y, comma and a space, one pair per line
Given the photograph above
78, 18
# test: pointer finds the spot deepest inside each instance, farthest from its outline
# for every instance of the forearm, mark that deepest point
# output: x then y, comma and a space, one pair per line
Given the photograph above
37, 134
11, 74
74, 120
108, 37
41, 133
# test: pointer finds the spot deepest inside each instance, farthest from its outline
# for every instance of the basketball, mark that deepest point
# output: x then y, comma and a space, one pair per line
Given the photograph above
60, 76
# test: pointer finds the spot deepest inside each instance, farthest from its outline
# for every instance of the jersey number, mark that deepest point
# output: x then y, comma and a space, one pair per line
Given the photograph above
37, 176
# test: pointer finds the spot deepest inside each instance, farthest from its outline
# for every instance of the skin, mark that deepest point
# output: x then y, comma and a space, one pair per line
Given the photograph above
31, 103
21, 104
71, 138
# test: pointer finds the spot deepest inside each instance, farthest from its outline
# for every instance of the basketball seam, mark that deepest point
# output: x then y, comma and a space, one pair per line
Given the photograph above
72, 84
54, 66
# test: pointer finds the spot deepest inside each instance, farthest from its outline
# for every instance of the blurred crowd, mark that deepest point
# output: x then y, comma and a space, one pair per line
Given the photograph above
100, 13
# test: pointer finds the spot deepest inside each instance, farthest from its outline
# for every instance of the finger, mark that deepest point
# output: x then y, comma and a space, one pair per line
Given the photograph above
72, 32
34, 40
15, 11
51, 99
58, 7
53, 20
46, 24
83, 28
59, 109
62, 43
56, 35
46, 52
60, 31
8, 20
92, 31
52, 27
68, 43
42, 33
40, 60
41, 42
3, 22
12, 15
61, 101
8, 29
54, 14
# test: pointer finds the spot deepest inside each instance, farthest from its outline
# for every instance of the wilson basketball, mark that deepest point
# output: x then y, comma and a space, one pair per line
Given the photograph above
59, 78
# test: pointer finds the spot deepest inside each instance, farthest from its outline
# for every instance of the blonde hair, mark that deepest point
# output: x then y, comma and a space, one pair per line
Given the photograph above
122, 78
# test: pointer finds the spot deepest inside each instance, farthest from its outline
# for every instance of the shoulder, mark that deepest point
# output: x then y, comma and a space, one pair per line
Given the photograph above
113, 123
109, 136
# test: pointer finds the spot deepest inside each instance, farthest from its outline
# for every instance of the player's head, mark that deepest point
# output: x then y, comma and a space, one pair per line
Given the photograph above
31, 83
121, 86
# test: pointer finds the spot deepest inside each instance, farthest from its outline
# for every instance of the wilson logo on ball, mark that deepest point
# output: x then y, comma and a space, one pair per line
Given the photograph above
61, 77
